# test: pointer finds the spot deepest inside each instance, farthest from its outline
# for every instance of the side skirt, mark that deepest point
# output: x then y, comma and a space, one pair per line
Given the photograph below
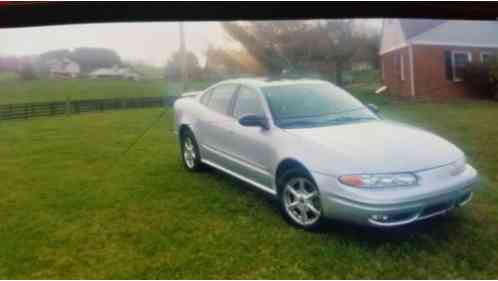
240, 177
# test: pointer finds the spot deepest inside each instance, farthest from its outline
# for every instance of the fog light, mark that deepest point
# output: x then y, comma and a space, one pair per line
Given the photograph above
380, 217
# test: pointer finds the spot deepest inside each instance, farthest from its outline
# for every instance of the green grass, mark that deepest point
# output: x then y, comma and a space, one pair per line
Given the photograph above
45, 90
13, 90
75, 205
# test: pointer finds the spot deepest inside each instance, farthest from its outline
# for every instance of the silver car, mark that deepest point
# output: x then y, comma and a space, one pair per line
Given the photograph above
321, 152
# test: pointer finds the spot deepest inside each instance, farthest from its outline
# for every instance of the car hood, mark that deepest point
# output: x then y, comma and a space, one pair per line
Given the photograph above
380, 146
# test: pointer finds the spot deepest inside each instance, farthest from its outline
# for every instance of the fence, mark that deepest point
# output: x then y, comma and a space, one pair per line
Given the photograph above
31, 110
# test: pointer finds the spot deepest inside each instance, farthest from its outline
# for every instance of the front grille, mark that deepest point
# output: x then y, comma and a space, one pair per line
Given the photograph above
400, 216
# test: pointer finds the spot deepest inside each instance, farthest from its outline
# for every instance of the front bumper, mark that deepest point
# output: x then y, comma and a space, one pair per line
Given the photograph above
401, 211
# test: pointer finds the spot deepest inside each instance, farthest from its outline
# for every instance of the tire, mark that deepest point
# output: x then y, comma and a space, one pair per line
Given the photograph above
190, 152
299, 190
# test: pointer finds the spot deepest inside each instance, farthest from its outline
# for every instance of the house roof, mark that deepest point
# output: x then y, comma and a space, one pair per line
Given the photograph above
461, 33
413, 27
399, 33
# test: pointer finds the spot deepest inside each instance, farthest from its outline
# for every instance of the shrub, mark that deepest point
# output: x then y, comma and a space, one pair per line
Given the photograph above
477, 77
482, 79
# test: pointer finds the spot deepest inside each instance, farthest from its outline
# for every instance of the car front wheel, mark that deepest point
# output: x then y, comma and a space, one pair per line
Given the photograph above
300, 200
190, 152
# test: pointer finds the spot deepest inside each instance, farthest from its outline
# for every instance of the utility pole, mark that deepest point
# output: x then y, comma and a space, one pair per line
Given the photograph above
183, 58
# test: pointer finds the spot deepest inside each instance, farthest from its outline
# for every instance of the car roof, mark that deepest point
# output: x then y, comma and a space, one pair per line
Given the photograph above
268, 82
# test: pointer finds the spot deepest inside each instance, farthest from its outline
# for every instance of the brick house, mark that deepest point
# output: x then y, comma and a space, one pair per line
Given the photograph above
426, 57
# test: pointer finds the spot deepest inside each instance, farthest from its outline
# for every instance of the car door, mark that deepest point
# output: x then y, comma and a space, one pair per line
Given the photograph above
249, 145
214, 123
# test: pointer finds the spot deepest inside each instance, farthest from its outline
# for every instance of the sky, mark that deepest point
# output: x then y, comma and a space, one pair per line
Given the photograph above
147, 42
150, 43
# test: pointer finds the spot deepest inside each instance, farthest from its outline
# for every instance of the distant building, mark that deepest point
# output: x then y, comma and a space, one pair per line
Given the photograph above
121, 73
63, 68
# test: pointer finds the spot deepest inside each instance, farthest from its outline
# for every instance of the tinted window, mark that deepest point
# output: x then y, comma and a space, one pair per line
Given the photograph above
220, 97
247, 103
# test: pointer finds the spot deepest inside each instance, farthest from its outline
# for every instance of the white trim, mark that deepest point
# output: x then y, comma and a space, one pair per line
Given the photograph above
403, 41
483, 53
402, 66
412, 73
453, 44
397, 47
453, 53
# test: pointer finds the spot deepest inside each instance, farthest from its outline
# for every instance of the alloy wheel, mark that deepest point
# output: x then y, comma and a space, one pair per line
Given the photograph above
189, 154
302, 201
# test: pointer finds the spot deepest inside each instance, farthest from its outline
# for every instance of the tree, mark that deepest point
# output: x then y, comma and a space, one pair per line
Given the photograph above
43, 62
90, 59
222, 62
27, 72
259, 40
337, 43
297, 45
369, 37
174, 66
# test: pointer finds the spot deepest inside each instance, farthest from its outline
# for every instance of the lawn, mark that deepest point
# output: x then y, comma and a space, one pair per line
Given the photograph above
14, 90
85, 196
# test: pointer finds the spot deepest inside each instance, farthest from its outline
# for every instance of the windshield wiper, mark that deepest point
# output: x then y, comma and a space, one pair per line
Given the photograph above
299, 123
349, 119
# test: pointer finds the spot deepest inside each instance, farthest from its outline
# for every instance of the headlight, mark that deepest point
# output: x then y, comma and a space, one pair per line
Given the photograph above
379, 180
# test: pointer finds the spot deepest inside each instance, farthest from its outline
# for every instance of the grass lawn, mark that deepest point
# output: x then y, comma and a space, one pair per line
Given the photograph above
75, 205
13, 90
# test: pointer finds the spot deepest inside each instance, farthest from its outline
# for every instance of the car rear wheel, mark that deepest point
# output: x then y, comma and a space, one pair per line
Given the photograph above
190, 152
300, 200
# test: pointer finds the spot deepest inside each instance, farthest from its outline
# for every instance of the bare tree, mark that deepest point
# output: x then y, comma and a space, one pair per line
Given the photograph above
252, 37
296, 45
337, 44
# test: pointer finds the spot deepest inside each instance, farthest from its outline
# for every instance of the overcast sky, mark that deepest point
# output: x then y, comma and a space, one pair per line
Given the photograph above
148, 42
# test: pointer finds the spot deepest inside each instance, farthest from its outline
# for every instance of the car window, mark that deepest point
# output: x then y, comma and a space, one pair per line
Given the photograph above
221, 97
247, 103
315, 103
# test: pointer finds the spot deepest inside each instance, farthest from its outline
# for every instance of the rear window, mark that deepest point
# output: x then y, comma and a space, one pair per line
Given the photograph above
220, 98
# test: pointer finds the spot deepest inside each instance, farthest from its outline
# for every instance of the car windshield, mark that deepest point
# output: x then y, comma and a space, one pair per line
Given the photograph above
314, 104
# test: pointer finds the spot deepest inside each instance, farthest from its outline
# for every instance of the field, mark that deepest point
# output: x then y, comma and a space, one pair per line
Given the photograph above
105, 195
13, 90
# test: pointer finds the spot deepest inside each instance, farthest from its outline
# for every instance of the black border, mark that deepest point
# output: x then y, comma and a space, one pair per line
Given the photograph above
19, 14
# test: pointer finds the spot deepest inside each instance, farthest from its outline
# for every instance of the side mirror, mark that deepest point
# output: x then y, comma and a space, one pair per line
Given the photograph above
373, 108
254, 121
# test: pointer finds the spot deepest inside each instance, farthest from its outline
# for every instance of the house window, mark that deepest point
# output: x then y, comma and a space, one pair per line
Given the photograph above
459, 59
488, 57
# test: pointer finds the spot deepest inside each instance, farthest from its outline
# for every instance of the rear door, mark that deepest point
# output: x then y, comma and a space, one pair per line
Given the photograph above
214, 124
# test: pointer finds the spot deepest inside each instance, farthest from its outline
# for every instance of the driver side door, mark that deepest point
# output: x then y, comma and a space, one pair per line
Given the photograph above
250, 146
